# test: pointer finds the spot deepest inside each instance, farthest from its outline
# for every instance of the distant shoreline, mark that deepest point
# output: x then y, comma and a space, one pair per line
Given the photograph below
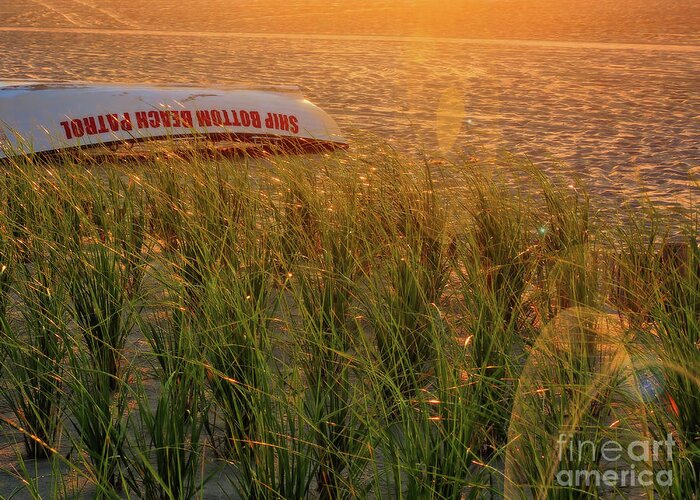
692, 48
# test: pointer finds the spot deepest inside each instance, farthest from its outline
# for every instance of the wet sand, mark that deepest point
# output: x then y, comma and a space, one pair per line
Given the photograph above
614, 101
647, 21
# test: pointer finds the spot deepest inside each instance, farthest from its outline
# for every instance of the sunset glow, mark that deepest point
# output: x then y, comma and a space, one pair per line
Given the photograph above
335, 249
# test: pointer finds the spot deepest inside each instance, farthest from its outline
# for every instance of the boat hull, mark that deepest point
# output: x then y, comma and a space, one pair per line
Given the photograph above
41, 118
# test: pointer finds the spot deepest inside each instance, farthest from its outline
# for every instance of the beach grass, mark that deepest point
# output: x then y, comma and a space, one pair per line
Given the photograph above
340, 325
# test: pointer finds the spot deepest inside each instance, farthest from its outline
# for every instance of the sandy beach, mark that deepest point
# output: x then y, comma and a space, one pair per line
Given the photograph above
614, 102
602, 92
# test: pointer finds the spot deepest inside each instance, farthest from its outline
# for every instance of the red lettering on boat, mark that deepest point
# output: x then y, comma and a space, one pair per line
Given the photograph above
141, 119
203, 118
90, 125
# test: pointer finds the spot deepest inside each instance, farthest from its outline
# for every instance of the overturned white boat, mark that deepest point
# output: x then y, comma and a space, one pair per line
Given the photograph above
50, 117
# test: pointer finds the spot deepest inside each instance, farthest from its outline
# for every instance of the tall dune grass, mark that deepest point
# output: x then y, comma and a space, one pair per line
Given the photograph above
33, 353
355, 324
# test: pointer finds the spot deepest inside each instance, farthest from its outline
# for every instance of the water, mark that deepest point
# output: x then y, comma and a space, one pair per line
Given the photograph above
610, 93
